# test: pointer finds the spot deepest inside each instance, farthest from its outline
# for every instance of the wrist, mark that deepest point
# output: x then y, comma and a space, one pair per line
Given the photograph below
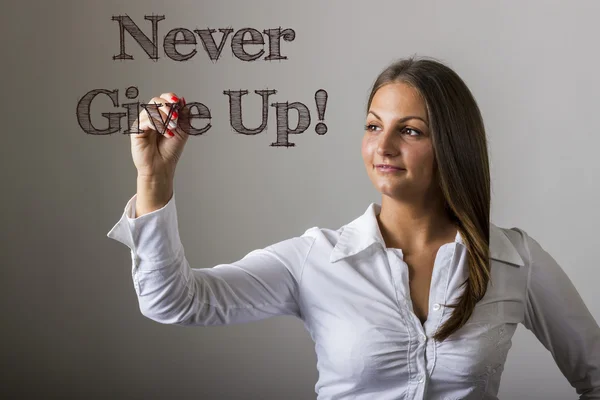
152, 194
155, 179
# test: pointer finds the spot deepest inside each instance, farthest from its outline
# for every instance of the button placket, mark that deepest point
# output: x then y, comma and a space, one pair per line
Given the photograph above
134, 269
412, 323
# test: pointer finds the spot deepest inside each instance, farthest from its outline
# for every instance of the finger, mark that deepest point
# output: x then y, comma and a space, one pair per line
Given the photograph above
171, 97
156, 116
175, 104
160, 111
179, 132
144, 126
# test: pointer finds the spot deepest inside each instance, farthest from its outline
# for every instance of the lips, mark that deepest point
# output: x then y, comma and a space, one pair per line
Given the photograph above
384, 166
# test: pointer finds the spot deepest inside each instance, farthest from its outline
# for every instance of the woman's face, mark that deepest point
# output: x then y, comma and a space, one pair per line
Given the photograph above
397, 133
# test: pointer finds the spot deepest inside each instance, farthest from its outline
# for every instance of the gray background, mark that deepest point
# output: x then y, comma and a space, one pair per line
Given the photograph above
71, 323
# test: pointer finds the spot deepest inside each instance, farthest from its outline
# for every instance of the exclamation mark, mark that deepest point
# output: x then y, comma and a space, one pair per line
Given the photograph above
321, 100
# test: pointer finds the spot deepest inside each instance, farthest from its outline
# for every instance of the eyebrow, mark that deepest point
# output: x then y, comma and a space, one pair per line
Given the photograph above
403, 119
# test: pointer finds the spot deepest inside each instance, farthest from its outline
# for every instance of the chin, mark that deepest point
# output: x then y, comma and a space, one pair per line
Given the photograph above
389, 191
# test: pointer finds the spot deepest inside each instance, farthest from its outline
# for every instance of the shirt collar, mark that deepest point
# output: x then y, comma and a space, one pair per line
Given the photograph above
364, 232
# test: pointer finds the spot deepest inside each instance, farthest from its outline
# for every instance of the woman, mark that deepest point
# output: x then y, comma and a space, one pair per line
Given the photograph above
419, 297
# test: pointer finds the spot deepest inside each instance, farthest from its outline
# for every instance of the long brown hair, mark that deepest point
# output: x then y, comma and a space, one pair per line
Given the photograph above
460, 148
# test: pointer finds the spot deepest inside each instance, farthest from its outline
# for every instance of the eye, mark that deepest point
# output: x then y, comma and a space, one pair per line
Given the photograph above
414, 130
371, 127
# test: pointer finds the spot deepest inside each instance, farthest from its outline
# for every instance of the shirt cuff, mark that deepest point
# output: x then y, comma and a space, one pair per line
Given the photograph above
153, 238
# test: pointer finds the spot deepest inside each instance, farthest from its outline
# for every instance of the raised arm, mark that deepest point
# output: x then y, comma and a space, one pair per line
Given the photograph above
558, 317
264, 283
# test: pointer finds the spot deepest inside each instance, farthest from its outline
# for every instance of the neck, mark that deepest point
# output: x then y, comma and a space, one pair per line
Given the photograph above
414, 226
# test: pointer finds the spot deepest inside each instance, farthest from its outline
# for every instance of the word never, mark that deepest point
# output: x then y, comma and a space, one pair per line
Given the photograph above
213, 50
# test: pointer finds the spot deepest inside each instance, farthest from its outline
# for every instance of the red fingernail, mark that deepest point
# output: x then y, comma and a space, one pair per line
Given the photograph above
170, 133
175, 99
175, 114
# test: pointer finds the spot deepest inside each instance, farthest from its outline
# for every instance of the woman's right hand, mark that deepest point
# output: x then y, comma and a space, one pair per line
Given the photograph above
155, 155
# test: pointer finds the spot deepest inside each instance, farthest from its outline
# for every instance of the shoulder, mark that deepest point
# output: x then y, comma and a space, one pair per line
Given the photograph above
299, 247
515, 234
527, 246
509, 244
531, 252
324, 234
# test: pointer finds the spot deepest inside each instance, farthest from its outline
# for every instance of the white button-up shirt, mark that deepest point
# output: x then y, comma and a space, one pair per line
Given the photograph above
352, 294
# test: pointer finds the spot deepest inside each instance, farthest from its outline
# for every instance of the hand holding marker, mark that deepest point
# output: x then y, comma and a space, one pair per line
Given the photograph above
155, 154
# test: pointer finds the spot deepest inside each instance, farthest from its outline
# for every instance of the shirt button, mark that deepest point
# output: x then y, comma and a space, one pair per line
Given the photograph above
423, 338
420, 379
436, 307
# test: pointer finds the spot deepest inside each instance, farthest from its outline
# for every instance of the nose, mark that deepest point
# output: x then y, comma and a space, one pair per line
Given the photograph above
386, 145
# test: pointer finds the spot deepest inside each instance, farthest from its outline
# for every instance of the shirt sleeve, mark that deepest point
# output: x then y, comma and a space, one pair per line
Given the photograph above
558, 317
262, 284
